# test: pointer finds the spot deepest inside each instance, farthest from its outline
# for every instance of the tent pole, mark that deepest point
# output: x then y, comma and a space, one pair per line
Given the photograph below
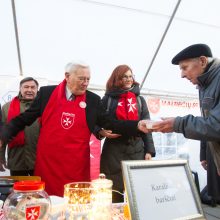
16, 36
161, 41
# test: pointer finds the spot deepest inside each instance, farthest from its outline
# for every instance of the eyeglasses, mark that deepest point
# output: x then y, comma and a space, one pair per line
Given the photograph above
128, 77
83, 79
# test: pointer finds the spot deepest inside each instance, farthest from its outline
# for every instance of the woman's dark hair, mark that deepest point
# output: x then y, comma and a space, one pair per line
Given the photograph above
115, 80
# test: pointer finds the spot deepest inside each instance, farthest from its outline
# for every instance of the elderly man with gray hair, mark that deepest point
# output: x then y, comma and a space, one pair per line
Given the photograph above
200, 68
69, 114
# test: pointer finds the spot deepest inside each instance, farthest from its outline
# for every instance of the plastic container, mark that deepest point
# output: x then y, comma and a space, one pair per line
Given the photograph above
28, 201
6, 186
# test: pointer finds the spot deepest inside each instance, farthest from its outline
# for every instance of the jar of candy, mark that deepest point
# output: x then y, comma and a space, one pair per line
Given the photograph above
101, 198
28, 201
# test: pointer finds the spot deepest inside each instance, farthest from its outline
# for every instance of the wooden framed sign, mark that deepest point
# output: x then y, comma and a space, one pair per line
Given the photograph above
161, 190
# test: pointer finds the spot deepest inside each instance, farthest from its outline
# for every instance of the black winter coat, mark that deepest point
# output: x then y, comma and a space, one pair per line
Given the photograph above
125, 147
94, 115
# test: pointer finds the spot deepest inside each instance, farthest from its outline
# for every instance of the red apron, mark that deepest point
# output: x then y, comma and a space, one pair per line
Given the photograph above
63, 153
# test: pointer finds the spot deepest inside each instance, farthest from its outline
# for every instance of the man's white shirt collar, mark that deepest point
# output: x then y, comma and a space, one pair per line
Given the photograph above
68, 94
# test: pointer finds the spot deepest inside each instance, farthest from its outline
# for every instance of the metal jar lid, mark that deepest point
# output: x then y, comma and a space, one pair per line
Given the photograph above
7, 182
102, 182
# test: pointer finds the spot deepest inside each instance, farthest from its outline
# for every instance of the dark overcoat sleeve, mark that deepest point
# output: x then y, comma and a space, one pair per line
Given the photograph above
147, 138
203, 146
29, 116
96, 115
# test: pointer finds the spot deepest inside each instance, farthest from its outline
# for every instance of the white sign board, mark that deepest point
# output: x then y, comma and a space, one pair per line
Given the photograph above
162, 190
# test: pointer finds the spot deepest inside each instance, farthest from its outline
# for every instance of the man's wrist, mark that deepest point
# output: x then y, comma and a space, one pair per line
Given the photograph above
99, 135
139, 125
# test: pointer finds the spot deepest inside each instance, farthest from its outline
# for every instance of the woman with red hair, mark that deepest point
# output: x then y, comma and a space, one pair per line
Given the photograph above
123, 101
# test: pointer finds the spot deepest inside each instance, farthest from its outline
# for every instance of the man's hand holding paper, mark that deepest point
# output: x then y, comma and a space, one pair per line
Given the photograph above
164, 125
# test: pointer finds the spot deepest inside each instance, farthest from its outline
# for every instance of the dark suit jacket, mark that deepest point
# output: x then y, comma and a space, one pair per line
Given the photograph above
95, 115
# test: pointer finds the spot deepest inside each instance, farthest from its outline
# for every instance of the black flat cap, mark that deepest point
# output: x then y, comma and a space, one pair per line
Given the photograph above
193, 51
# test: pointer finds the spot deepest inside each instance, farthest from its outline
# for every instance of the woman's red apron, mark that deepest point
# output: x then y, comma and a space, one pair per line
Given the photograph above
63, 153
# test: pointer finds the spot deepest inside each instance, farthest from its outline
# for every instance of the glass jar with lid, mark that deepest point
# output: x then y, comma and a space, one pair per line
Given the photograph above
101, 198
28, 201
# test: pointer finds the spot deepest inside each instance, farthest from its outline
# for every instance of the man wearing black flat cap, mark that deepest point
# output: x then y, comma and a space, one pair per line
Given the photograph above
193, 51
200, 68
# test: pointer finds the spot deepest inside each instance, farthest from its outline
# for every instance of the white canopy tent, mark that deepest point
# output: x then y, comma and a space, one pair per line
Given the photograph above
39, 37
105, 33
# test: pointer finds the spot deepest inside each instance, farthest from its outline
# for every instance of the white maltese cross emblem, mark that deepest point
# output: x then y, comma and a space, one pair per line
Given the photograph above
67, 120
